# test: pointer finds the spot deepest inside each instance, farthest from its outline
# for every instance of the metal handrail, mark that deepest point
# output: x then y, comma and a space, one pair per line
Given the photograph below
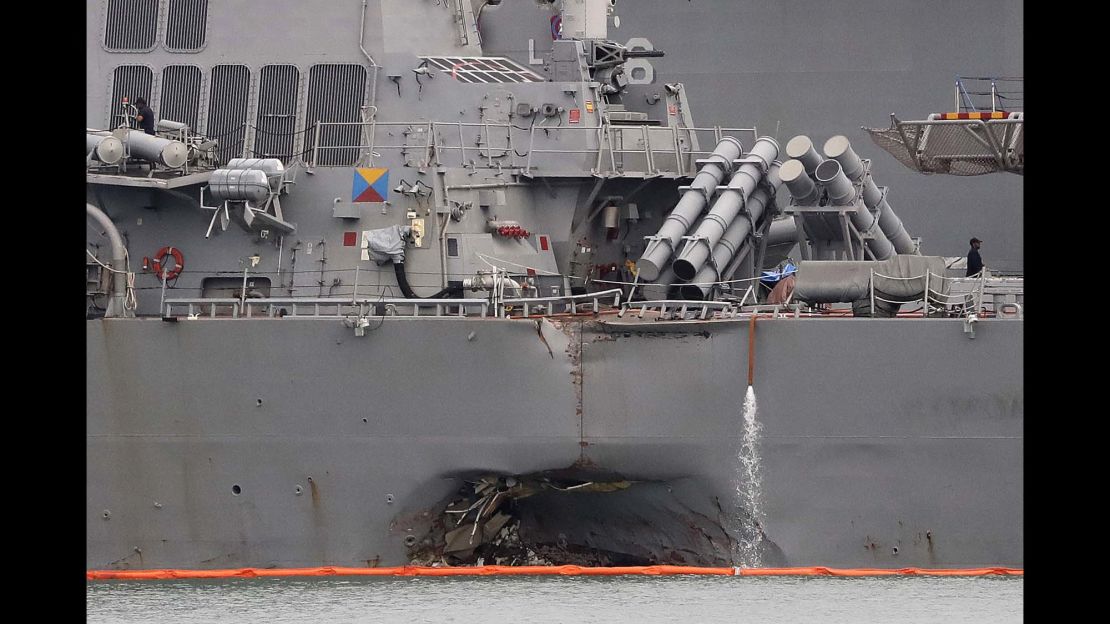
436, 145
680, 307
342, 307
571, 301
931, 295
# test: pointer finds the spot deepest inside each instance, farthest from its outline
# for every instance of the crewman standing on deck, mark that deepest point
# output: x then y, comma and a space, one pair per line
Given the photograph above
145, 116
974, 262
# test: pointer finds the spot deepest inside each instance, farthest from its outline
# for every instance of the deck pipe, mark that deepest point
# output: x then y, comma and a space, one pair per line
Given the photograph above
740, 188
840, 149
694, 198
733, 239
117, 294
842, 193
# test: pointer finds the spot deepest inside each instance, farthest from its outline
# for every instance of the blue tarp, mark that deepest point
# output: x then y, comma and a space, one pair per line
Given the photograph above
772, 277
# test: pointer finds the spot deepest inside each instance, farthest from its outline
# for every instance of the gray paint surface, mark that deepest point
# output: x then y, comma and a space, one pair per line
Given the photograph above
851, 456
855, 454
827, 68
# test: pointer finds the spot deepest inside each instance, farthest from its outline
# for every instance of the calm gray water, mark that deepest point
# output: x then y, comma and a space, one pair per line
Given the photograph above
561, 599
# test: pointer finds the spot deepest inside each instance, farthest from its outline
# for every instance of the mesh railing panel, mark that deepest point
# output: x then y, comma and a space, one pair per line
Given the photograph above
964, 149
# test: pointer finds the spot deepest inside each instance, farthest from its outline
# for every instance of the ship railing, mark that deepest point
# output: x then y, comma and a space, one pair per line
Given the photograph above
654, 150
960, 296
775, 310
997, 93
323, 307
370, 307
568, 304
680, 309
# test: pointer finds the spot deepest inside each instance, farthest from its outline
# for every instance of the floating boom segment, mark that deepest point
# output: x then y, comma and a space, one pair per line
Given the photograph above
694, 198
842, 193
725, 209
840, 149
733, 239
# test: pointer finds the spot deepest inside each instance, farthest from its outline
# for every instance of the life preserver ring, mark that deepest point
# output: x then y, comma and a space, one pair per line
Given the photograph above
179, 262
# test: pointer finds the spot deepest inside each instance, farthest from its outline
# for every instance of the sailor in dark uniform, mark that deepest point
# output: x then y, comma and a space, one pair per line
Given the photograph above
145, 116
974, 262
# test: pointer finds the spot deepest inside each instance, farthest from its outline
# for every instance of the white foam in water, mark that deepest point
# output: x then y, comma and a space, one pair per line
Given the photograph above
748, 487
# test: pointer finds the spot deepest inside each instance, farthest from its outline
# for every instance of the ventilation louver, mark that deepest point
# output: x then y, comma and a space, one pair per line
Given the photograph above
131, 25
131, 82
180, 100
186, 24
229, 96
276, 124
335, 94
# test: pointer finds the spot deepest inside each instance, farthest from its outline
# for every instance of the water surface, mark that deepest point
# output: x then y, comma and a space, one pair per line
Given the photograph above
561, 599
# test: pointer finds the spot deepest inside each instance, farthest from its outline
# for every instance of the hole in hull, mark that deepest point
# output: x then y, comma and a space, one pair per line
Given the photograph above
580, 517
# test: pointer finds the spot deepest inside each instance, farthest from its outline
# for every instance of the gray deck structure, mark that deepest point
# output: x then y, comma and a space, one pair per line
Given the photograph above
225, 442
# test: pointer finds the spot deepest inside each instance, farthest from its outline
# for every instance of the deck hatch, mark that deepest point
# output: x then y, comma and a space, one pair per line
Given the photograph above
180, 100
131, 25
131, 82
186, 25
335, 94
276, 123
229, 96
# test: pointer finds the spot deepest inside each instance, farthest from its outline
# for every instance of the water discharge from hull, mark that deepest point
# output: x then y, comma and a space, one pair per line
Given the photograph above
749, 542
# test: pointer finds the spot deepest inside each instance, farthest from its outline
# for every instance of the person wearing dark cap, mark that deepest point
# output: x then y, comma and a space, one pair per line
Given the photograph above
974, 262
145, 116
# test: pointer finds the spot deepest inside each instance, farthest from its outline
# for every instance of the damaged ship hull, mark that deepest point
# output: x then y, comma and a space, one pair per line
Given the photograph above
898, 443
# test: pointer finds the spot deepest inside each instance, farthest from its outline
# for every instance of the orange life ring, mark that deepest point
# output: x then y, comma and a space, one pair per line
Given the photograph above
179, 262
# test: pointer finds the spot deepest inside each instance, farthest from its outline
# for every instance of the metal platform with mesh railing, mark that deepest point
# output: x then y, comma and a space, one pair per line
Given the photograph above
984, 135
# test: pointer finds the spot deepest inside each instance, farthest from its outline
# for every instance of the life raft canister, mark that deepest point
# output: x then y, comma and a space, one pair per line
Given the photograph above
179, 262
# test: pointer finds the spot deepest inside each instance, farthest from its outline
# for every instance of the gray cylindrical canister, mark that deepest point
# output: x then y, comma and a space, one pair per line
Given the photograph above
239, 184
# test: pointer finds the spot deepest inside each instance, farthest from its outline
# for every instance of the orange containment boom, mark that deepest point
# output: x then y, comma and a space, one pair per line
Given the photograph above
565, 570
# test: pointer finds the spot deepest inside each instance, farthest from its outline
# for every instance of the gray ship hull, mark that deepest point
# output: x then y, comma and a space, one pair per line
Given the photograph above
896, 443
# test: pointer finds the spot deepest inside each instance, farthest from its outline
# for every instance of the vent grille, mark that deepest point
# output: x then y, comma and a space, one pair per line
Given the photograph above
131, 82
276, 124
180, 99
335, 94
230, 90
186, 23
131, 25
